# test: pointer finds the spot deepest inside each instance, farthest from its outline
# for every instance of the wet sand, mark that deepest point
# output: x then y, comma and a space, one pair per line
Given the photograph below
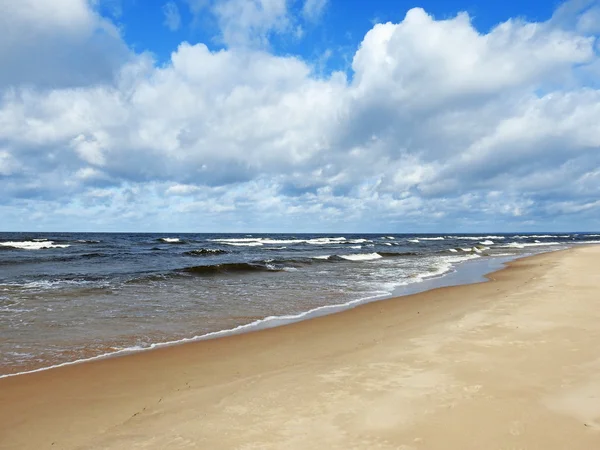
508, 364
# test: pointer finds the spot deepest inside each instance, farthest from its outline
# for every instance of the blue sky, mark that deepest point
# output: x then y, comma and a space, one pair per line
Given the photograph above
340, 27
300, 116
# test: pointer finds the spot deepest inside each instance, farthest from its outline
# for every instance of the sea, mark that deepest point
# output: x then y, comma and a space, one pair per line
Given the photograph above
71, 297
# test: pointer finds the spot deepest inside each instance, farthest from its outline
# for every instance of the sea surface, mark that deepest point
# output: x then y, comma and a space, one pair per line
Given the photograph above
66, 297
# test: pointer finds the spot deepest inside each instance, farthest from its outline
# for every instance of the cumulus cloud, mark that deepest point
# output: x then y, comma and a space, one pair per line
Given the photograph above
438, 126
57, 44
247, 23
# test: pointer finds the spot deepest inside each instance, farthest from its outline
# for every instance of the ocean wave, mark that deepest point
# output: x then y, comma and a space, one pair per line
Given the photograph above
476, 238
259, 241
530, 244
236, 240
476, 249
249, 242
445, 264
205, 252
168, 240
33, 245
259, 266
277, 265
361, 257
280, 241
43, 285
414, 241
439, 238
537, 236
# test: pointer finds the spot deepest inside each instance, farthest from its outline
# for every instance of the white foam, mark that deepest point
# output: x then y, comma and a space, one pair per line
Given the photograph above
476, 238
358, 241
236, 240
453, 250
326, 241
415, 241
442, 265
249, 242
261, 241
170, 240
487, 242
47, 284
361, 257
530, 244
33, 245
433, 239
280, 241
322, 257
356, 247
244, 244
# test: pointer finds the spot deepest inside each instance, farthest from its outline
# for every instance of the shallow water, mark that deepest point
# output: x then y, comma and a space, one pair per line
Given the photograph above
68, 296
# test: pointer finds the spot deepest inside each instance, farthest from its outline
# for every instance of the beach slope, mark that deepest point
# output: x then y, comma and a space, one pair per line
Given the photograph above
513, 363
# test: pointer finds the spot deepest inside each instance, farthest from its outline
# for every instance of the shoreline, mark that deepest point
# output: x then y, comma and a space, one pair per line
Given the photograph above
509, 360
477, 275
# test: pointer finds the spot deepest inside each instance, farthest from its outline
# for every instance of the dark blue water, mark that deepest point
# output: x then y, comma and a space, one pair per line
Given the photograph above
67, 296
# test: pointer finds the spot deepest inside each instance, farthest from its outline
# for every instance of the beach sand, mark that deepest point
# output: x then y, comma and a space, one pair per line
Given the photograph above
509, 364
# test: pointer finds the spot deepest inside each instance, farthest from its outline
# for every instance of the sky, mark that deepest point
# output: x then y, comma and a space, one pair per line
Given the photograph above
330, 116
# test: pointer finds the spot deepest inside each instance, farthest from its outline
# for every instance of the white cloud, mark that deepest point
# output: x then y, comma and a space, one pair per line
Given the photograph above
247, 23
57, 44
313, 9
427, 62
181, 189
8, 164
439, 125
172, 16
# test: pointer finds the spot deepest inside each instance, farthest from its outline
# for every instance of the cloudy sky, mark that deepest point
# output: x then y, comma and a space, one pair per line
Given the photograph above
299, 115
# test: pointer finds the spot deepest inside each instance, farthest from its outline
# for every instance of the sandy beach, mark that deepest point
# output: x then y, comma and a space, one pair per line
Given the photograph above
508, 364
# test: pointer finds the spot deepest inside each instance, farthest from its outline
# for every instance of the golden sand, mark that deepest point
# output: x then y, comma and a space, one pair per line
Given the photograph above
509, 364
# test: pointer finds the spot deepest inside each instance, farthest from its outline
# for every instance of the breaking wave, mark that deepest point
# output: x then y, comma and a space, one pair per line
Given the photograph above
36, 244
171, 240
